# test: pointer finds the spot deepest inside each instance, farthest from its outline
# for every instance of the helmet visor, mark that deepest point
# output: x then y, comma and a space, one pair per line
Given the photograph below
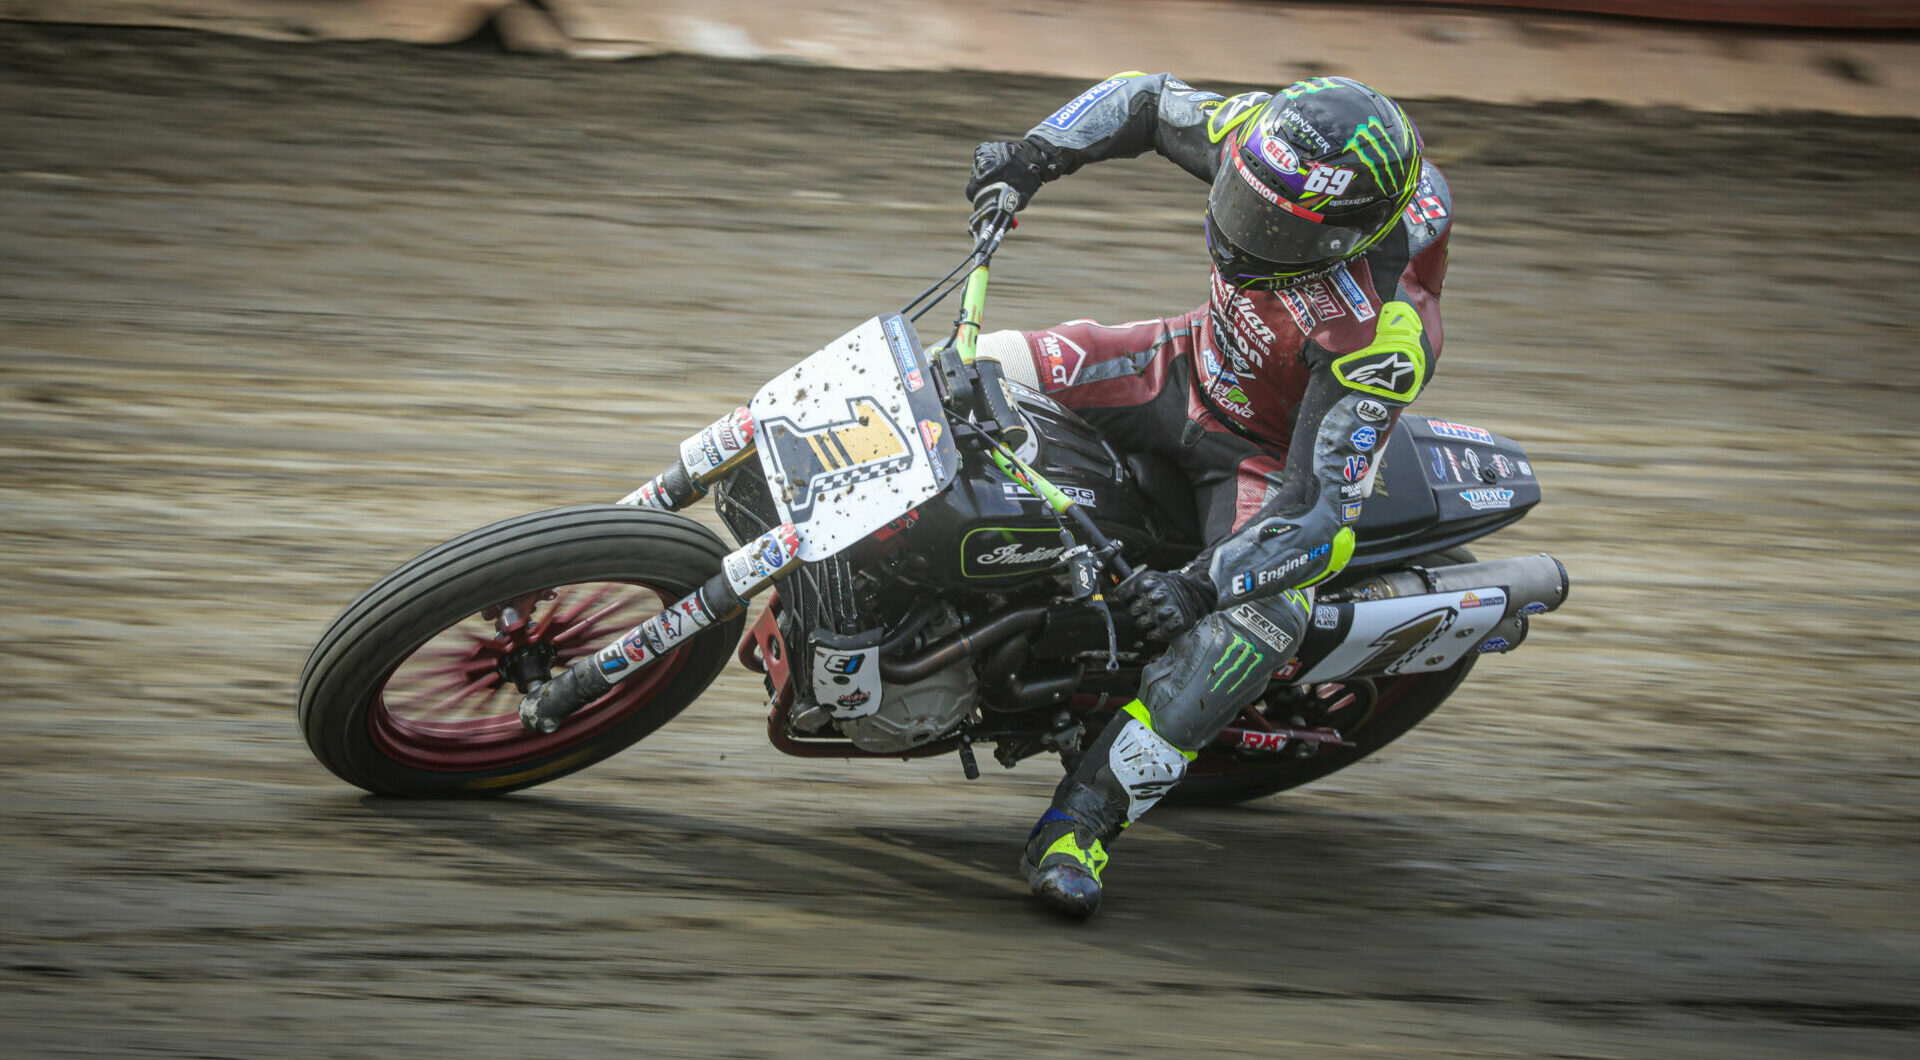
1264, 223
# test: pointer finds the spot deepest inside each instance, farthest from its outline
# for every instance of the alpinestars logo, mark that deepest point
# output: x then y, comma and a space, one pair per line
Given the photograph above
1388, 373
814, 460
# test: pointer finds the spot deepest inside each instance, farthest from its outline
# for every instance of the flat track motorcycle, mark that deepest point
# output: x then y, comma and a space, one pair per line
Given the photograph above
938, 542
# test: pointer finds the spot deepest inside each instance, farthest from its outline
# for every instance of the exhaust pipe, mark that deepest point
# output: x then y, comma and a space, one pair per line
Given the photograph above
1419, 620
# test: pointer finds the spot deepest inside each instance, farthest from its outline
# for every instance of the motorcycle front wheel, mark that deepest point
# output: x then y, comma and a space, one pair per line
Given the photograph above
414, 690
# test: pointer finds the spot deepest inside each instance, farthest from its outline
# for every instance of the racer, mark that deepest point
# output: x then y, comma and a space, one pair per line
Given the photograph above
1328, 232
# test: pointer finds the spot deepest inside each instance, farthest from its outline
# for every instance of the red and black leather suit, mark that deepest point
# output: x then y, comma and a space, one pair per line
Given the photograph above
1274, 403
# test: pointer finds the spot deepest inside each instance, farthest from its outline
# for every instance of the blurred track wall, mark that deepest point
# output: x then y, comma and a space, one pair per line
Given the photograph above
1798, 14
1476, 49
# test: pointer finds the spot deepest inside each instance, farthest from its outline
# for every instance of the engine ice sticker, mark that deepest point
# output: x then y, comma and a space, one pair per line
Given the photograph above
846, 682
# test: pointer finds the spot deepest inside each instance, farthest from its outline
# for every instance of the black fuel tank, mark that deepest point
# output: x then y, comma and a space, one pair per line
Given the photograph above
987, 533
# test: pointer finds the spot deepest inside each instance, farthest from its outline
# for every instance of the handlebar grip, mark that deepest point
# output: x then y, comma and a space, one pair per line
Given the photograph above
994, 403
992, 202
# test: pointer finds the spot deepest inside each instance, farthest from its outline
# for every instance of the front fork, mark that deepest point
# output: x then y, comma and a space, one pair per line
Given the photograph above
704, 458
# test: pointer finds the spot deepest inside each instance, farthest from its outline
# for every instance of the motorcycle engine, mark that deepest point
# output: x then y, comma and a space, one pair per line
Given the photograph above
911, 715
921, 712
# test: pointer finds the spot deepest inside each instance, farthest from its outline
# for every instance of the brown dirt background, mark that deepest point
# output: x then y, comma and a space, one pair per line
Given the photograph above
274, 318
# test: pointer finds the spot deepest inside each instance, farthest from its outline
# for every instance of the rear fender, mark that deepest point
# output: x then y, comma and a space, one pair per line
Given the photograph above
1441, 484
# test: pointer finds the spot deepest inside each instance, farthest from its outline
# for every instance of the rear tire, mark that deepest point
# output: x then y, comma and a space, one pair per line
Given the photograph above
1223, 778
407, 692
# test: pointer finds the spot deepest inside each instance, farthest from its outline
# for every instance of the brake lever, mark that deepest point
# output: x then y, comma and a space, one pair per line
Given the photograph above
994, 202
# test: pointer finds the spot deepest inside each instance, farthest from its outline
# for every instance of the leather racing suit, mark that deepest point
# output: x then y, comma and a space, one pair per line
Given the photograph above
1275, 403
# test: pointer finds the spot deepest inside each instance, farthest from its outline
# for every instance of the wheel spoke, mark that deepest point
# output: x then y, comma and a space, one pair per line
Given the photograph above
564, 611
586, 625
490, 683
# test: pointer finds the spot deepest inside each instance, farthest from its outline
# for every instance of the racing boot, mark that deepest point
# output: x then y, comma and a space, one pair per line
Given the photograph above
1190, 694
1126, 771
1062, 864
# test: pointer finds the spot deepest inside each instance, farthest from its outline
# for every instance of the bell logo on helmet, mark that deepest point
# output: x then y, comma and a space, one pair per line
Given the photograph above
1278, 155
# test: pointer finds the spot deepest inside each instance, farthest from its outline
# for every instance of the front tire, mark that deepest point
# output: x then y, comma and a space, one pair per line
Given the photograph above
410, 691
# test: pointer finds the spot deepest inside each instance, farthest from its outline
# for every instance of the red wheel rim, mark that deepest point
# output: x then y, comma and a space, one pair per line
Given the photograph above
447, 708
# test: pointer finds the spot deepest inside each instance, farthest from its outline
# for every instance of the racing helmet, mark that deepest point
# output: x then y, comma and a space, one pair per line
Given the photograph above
1315, 177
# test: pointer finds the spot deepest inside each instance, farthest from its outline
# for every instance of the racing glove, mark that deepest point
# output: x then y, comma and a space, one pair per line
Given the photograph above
1016, 163
1165, 604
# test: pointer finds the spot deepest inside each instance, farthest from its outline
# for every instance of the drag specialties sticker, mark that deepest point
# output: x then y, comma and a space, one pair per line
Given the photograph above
1350, 290
902, 346
1487, 499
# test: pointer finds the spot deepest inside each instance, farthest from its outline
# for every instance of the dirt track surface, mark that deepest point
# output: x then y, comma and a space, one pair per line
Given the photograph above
273, 319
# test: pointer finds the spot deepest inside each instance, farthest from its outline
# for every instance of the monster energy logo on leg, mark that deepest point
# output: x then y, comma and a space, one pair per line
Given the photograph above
1238, 662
